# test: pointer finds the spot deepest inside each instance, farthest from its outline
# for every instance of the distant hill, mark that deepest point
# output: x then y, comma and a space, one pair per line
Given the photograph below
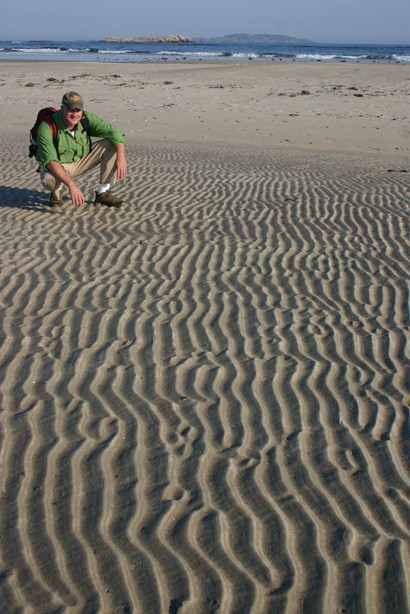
254, 38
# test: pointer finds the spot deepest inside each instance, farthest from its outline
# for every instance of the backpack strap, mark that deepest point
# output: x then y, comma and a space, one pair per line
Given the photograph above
85, 122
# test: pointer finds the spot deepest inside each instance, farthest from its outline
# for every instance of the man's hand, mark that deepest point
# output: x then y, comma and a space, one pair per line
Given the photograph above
76, 195
120, 164
121, 167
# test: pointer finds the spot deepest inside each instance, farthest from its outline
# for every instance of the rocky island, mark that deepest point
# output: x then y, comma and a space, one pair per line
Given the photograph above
169, 38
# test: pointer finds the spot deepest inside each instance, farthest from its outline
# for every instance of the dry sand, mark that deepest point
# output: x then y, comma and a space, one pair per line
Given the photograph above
205, 395
358, 108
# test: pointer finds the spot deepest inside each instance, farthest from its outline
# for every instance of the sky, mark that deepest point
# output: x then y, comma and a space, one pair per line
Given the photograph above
323, 21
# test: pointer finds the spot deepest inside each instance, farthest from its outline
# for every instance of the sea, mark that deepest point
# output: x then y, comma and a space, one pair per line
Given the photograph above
97, 51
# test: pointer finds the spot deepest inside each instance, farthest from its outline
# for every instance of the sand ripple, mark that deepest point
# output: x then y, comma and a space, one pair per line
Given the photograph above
206, 395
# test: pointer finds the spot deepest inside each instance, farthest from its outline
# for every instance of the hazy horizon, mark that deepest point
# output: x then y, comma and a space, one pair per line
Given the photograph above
347, 21
200, 37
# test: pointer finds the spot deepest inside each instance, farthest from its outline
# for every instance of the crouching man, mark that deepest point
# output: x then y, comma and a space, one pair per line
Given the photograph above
70, 155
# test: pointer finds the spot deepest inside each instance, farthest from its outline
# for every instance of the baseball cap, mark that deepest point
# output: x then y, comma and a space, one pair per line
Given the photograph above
72, 100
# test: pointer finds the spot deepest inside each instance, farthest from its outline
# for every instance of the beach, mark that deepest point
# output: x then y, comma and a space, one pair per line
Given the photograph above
205, 395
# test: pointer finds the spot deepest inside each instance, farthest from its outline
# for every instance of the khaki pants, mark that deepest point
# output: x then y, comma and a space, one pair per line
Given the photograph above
103, 153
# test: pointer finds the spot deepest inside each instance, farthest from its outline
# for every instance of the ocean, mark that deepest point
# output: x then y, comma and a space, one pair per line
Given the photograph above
95, 51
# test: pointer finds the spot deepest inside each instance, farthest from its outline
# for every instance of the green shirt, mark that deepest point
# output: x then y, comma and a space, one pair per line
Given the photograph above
67, 148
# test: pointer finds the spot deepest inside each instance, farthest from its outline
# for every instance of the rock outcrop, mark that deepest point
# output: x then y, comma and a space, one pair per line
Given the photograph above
169, 38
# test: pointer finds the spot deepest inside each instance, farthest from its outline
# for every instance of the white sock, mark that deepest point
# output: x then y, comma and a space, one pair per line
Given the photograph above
57, 193
103, 188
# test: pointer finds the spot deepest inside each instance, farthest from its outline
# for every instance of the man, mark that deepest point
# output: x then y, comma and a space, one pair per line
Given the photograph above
71, 155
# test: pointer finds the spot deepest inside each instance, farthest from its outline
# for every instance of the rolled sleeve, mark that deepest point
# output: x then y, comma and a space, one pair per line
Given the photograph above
101, 129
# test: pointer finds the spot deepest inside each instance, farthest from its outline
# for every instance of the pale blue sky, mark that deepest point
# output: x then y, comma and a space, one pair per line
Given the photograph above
325, 21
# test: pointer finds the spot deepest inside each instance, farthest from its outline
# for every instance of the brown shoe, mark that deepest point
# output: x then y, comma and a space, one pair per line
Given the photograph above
56, 202
108, 199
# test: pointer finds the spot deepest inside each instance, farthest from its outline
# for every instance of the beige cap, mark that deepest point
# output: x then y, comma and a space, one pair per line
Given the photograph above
72, 100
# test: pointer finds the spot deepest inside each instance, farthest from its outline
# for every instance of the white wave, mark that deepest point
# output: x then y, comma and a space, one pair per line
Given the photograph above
111, 51
51, 50
314, 56
245, 55
193, 53
214, 54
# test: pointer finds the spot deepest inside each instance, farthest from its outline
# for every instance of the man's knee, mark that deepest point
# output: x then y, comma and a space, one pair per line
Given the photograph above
109, 151
48, 181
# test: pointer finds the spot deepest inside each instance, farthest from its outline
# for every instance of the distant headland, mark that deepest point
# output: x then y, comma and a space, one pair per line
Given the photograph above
254, 38
230, 38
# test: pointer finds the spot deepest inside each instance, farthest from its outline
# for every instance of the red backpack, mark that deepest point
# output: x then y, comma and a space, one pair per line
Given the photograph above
45, 115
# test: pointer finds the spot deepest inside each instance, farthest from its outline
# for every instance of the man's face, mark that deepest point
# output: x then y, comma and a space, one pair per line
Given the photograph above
71, 117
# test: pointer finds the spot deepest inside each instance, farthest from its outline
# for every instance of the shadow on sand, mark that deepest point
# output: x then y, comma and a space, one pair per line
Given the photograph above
23, 198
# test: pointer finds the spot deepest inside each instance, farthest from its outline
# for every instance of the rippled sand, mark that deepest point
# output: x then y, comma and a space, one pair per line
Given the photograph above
205, 395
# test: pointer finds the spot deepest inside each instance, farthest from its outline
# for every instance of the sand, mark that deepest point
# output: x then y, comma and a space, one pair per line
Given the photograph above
206, 394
